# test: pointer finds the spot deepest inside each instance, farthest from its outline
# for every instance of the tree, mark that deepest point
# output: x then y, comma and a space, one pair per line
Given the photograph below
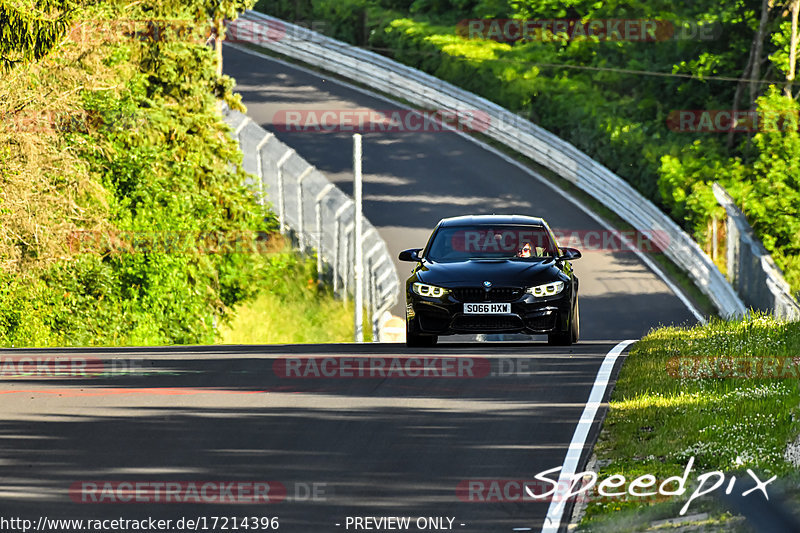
792, 50
218, 11
28, 34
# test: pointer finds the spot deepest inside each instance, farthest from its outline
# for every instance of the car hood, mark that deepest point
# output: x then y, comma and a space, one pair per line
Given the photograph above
501, 272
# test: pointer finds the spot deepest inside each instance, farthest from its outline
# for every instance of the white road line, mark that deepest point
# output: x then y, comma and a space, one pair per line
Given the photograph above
555, 512
508, 159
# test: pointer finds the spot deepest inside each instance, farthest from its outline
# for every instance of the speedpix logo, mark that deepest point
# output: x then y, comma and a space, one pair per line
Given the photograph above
577, 485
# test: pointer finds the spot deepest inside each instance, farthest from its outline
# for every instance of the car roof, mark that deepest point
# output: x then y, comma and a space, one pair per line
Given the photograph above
492, 219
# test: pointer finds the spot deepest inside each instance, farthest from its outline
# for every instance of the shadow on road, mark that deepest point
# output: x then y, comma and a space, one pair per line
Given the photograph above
372, 446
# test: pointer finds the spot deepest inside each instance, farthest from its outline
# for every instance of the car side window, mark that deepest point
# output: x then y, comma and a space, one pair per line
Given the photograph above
555, 245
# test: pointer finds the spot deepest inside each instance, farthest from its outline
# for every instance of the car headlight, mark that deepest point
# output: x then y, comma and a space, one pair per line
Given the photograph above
548, 289
429, 290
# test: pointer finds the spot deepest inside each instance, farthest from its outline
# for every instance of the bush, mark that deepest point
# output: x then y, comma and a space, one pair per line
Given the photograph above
155, 163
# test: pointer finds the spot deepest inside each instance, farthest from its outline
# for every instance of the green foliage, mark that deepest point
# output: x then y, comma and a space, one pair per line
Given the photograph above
769, 189
28, 33
583, 92
292, 308
345, 20
169, 170
685, 183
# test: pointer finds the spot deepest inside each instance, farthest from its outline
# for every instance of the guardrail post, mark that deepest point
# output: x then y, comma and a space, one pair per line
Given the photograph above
275, 156
281, 201
373, 302
337, 244
346, 270
373, 293
262, 198
318, 217
714, 239
301, 238
358, 295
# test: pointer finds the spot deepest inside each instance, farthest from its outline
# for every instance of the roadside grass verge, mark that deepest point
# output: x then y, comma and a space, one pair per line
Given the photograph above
665, 410
291, 307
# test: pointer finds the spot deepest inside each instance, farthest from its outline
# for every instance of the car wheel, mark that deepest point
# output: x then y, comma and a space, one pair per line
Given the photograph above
576, 321
416, 340
566, 338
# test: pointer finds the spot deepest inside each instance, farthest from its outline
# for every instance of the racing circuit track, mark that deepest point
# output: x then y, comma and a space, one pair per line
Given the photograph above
414, 179
372, 446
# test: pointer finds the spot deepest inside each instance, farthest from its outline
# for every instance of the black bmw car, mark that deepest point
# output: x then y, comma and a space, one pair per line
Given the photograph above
492, 274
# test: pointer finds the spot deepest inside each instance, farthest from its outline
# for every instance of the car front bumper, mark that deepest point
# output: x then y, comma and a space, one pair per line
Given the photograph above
445, 316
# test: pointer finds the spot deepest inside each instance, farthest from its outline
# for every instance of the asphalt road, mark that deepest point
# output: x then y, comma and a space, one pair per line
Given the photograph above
414, 179
75, 446
372, 446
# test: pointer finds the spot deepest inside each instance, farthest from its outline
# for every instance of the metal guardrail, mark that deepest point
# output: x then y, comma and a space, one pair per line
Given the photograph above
751, 269
318, 214
412, 85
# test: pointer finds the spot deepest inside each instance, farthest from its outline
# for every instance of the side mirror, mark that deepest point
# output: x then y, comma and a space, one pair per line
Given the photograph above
568, 254
410, 255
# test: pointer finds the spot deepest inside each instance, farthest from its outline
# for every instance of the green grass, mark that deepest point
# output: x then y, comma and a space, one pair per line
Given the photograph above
659, 418
292, 308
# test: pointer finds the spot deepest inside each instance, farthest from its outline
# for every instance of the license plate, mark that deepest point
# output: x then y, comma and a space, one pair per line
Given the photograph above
487, 309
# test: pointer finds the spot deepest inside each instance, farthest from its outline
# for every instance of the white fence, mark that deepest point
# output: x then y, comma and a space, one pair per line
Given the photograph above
751, 269
423, 90
319, 215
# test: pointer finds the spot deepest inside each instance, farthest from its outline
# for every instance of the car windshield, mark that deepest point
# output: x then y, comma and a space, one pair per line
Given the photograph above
462, 243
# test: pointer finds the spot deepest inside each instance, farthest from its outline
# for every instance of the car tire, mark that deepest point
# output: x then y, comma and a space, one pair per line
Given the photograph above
575, 326
566, 338
416, 340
